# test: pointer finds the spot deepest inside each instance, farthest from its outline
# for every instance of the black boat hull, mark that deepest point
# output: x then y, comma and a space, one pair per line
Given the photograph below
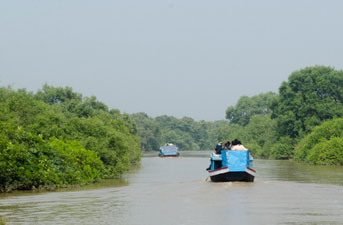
233, 176
163, 155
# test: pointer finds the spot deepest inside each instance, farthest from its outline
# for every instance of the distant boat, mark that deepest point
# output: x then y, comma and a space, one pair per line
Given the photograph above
169, 150
232, 166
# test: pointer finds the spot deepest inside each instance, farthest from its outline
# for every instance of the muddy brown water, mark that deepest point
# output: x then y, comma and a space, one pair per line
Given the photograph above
176, 191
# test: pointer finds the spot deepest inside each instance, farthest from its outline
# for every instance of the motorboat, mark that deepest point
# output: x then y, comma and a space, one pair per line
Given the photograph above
232, 165
169, 150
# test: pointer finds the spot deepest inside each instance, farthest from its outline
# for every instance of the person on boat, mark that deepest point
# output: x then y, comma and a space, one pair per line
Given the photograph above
218, 149
237, 145
227, 146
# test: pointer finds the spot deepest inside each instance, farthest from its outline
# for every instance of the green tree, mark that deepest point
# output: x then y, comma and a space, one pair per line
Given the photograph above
52, 95
283, 148
260, 135
247, 107
148, 131
310, 96
186, 133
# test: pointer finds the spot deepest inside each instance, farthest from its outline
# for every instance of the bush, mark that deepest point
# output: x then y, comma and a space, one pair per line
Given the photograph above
283, 149
320, 143
27, 161
327, 152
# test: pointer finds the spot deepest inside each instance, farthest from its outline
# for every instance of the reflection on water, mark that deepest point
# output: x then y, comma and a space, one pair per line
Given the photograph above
100, 184
175, 191
293, 171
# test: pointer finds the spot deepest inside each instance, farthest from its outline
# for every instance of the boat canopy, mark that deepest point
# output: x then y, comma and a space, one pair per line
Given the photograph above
169, 150
235, 160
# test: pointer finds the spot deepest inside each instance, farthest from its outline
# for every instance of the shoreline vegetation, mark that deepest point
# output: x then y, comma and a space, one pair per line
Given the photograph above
56, 137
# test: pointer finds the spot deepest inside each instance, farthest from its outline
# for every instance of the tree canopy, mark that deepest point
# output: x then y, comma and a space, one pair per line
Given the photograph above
148, 130
247, 107
186, 133
310, 96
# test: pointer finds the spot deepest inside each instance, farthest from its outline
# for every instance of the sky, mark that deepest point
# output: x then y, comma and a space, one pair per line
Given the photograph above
166, 57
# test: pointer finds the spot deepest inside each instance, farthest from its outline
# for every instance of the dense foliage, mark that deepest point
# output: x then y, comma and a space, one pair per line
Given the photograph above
186, 133
247, 107
324, 145
56, 137
148, 130
310, 96
258, 132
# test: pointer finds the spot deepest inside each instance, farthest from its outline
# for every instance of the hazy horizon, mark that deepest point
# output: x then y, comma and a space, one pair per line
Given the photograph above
174, 58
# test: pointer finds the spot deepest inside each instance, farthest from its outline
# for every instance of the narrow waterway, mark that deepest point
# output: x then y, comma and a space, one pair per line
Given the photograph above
169, 191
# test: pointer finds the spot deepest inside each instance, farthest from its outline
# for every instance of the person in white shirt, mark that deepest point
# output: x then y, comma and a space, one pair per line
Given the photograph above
237, 145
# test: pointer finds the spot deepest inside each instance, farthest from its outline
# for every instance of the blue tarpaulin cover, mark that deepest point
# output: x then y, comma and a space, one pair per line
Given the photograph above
235, 160
169, 150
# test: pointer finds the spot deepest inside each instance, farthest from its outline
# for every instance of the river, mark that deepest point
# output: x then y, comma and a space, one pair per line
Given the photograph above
176, 191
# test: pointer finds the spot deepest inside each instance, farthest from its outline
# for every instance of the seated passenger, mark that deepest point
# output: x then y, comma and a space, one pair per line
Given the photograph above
227, 146
237, 145
218, 149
